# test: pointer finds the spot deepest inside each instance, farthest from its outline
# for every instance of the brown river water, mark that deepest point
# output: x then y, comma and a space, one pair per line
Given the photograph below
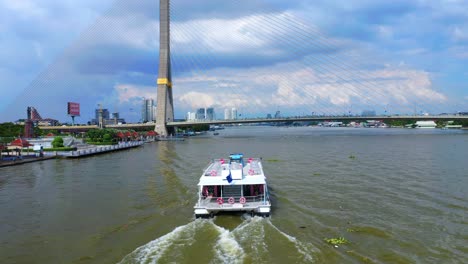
395, 196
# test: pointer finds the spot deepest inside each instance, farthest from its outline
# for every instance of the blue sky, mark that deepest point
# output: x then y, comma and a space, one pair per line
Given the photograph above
299, 57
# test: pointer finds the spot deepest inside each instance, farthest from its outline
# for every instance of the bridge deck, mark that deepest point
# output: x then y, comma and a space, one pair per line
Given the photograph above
265, 120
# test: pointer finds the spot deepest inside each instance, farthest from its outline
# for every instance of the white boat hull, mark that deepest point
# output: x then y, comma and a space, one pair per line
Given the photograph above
233, 186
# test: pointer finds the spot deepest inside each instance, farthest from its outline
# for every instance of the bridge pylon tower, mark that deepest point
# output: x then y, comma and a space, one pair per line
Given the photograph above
165, 106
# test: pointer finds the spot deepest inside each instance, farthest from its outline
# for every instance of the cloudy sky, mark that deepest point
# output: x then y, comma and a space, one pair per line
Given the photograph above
259, 56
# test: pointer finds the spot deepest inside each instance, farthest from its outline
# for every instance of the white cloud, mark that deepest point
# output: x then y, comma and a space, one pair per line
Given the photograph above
254, 33
415, 51
132, 31
38, 49
459, 52
52, 25
385, 31
293, 86
460, 34
197, 99
24, 8
131, 93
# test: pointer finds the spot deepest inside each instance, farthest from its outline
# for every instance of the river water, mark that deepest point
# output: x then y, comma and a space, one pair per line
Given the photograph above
396, 196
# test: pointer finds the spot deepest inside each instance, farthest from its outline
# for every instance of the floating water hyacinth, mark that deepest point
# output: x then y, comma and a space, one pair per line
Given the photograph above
337, 241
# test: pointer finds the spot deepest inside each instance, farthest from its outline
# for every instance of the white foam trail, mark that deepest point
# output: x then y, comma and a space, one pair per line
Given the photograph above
152, 251
227, 248
252, 233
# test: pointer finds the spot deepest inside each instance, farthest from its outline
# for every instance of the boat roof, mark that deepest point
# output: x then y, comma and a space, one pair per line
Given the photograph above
248, 180
243, 173
236, 156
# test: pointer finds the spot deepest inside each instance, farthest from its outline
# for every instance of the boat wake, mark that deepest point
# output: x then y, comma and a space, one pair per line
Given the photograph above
254, 240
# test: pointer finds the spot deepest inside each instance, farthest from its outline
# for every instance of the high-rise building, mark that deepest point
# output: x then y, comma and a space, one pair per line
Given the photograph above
227, 114
114, 120
154, 112
200, 114
278, 114
97, 120
234, 113
148, 111
210, 114
191, 116
105, 114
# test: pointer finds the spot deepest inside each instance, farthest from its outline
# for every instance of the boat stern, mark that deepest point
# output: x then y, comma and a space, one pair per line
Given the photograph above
201, 212
264, 210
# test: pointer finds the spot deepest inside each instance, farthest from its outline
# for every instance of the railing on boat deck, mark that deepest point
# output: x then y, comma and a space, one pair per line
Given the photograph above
215, 167
214, 200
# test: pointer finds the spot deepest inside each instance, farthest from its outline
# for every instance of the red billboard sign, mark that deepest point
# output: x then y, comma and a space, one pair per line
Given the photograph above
73, 109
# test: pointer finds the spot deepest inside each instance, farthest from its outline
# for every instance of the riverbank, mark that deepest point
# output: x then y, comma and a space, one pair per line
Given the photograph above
101, 149
84, 151
4, 163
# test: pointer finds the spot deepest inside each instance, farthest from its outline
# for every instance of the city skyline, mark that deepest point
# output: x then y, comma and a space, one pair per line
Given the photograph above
419, 48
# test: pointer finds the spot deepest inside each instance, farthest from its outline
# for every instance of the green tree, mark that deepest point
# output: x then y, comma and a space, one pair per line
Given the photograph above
464, 123
200, 127
99, 135
107, 138
400, 123
57, 142
11, 130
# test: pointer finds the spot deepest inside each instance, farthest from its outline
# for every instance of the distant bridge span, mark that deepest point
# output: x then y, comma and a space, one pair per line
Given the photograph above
263, 120
317, 118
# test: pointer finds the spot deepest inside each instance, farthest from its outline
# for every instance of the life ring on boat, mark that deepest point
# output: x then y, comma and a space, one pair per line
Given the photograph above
231, 200
251, 172
242, 200
220, 200
213, 173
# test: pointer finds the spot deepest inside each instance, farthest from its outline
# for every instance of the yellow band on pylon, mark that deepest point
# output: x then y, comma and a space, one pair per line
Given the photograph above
164, 81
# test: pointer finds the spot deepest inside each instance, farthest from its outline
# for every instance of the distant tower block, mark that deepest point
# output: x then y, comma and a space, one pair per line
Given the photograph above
164, 105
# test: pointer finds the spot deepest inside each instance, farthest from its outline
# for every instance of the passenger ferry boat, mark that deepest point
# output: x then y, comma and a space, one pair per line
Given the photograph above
233, 184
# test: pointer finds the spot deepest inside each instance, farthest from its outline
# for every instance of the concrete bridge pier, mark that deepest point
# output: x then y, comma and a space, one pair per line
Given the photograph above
164, 103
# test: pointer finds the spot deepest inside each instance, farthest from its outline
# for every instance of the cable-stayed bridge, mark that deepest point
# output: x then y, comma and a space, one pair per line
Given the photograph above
260, 62
182, 124
318, 118
165, 108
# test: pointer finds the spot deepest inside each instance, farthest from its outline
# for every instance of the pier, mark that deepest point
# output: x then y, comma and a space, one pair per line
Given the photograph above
99, 149
83, 152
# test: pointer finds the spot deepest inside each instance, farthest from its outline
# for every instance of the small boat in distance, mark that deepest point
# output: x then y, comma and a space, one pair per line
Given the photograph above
233, 185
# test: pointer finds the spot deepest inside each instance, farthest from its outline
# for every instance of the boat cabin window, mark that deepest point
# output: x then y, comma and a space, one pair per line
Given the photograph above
211, 191
253, 190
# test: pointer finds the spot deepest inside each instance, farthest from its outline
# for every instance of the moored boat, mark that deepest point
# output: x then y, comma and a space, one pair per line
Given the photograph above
231, 185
